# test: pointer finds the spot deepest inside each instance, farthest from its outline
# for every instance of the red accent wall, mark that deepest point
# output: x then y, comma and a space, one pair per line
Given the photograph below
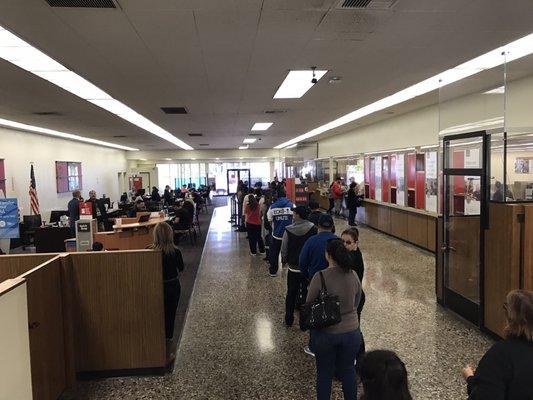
393, 182
2, 177
289, 187
385, 179
411, 170
372, 178
420, 181
458, 185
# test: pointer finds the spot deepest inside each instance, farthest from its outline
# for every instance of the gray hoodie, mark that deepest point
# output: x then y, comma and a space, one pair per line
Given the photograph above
299, 229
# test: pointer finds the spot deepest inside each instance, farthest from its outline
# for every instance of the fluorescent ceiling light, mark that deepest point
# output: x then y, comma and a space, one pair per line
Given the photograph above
498, 90
261, 126
297, 83
292, 146
510, 52
63, 135
22, 54
143, 159
243, 147
168, 159
249, 140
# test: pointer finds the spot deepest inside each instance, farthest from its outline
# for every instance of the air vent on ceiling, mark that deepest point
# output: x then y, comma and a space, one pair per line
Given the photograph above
82, 3
195, 134
355, 3
203, 144
275, 111
367, 4
174, 110
254, 134
119, 136
48, 113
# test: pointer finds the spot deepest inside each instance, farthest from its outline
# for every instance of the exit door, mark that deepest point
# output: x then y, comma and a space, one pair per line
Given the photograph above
465, 215
236, 175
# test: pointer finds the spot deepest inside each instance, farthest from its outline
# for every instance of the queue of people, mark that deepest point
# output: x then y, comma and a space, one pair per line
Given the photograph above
317, 259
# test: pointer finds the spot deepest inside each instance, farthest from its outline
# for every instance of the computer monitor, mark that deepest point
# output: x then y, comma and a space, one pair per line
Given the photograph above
55, 215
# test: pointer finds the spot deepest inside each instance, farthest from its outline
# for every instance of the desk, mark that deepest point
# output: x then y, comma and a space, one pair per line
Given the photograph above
51, 239
130, 235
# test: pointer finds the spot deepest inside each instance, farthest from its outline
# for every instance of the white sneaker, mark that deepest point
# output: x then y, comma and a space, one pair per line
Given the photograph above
273, 275
307, 350
253, 254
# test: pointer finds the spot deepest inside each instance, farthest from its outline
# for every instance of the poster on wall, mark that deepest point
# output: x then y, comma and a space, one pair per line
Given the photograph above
378, 178
523, 165
472, 195
472, 158
9, 219
400, 179
431, 181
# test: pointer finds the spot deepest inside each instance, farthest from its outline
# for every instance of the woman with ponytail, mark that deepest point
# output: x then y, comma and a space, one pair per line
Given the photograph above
336, 346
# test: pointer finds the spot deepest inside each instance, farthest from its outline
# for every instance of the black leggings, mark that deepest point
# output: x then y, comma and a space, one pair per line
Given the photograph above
172, 291
254, 238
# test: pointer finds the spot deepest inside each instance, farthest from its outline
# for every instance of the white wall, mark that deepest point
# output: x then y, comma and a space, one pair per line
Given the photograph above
416, 128
15, 367
100, 168
421, 127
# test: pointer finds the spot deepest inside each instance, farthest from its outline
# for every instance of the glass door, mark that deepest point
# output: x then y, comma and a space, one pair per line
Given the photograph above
465, 206
236, 175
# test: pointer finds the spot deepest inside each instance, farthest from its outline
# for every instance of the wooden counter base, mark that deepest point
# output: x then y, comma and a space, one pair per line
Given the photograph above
414, 226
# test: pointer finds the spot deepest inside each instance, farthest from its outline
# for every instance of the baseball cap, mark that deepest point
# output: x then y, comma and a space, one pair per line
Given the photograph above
325, 221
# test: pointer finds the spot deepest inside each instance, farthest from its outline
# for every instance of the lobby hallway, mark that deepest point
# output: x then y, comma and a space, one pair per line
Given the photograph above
235, 346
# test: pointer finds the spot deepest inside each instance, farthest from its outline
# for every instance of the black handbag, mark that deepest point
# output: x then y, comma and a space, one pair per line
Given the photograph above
322, 312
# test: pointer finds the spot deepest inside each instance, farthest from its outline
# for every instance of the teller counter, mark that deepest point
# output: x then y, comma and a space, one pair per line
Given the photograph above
418, 227
129, 235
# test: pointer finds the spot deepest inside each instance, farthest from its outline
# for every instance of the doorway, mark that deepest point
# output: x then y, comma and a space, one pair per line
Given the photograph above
234, 176
465, 174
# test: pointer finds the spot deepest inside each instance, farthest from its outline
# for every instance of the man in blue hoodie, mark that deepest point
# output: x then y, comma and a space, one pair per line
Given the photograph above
313, 254
280, 216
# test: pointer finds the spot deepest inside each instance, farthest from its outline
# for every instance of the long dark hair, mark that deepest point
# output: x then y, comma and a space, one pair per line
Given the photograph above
336, 250
252, 202
384, 376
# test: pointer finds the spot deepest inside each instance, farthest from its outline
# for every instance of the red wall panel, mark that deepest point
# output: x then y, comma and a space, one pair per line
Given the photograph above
385, 179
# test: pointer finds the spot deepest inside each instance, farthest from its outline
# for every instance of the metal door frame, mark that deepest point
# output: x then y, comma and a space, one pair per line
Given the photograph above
459, 304
238, 177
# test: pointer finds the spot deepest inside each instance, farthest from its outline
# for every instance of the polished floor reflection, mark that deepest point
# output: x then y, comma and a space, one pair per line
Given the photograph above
235, 345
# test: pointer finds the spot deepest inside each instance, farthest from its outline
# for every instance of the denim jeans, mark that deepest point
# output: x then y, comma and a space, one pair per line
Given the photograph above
335, 353
254, 238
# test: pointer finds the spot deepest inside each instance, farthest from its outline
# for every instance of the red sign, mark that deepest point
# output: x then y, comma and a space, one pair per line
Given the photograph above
86, 208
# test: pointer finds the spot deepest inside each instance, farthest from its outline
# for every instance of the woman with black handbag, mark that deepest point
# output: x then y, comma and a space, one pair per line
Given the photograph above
336, 346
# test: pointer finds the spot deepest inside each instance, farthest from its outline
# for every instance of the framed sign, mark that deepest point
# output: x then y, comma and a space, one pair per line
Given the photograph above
9, 219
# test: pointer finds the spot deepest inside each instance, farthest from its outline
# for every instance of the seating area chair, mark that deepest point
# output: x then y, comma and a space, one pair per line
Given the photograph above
196, 222
186, 230
27, 229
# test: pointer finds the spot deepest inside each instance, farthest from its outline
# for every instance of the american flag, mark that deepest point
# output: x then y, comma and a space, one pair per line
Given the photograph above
34, 201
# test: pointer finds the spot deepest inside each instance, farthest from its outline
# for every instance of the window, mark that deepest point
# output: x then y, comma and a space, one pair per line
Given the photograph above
2, 179
68, 176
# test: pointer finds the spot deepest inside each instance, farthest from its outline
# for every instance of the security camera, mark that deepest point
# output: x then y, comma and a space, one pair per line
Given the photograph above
313, 81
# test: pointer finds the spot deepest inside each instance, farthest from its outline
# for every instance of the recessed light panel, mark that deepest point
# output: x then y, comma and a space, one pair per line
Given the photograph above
249, 140
505, 54
25, 56
261, 126
63, 135
243, 147
297, 83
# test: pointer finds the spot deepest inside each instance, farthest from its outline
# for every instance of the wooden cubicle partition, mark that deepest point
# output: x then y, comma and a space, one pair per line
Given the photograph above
415, 226
526, 275
49, 371
15, 367
16, 264
117, 309
508, 258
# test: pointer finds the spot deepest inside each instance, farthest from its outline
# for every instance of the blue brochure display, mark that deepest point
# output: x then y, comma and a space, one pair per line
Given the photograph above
9, 219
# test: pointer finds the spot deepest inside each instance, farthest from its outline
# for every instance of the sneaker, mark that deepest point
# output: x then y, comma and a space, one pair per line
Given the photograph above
273, 275
307, 350
253, 254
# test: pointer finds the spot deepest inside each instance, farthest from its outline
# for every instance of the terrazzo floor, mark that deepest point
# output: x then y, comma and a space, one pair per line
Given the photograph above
235, 346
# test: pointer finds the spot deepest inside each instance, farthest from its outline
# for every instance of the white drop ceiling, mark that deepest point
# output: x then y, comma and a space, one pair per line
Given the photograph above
224, 60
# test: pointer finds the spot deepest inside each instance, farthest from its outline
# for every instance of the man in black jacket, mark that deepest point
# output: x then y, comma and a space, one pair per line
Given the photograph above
74, 211
294, 237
